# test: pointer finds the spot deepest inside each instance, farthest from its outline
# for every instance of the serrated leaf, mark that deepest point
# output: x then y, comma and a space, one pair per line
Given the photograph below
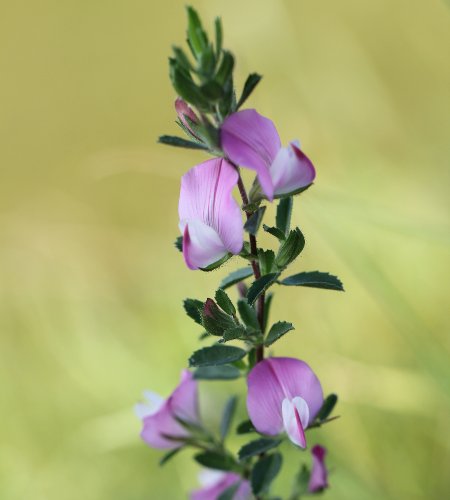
224, 302
276, 331
265, 471
327, 407
291, 248
315, 279
249, 86
221, 372
256, 447
227, 416
274, 231
245, 427
248, 314
215, 460
234, 333
193, 308
179, 142
254, 221
259, 286
216, 355
266, 261
168, 456
236, 277
284, 212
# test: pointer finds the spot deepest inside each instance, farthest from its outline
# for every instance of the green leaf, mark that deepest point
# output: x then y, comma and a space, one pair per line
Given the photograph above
215, 460
222, 372
236, 277
228, 493
249, 86
224, 302
182, 59
266, 261
193, 308
245, 427
327, 407
259, 286
225, 71
314, 279
212, 91
274, 231
227, 416
254, 221
198, 40
277, 330
168, 456
215, 320
234, 333
219, 35
216, 355
265, 471
186, 87
291, 248
256, 447
301, 483
179, 243
179, 142
284, 212
267, 306
248, 314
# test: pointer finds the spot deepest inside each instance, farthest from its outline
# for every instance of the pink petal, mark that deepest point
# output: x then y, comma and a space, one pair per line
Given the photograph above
184, 399
291, 170
270, 382
251, 140
224, 481
210, 218
183, 109
295, 419
319, 474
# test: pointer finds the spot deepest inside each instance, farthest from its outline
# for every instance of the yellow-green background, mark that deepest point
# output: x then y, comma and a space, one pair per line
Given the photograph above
91, 286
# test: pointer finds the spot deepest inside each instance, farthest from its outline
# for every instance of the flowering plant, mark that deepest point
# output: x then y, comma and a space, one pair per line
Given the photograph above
284, 396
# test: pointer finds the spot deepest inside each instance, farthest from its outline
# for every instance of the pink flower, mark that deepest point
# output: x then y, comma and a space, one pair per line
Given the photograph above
184, 110
319, 474
159, 415
210, 218
214, 483
251, 140
284, 394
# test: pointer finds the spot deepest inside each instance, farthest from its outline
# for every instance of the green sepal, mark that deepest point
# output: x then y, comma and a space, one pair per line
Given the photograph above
224, 302
236, 277
259, 286
314, 279
168, 456
277, 331
254, 221
290, 249
179, 142
248, 314
227, 416
284, 213
178, 243
249, 86
265, 471
221, 372
215, 320
293, 193
217, 264
216, 355
216, 460
193, 308
256, 447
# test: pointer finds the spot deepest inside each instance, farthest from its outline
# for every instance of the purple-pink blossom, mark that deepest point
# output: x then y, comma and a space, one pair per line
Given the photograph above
284, 395
210, 218
251, 140
159, 415
214, 483
319, 474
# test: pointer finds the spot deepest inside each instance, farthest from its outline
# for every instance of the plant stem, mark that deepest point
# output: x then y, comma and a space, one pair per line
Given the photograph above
255, 267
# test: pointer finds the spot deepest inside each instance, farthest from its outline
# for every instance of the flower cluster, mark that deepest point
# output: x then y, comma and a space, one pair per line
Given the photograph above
284, 395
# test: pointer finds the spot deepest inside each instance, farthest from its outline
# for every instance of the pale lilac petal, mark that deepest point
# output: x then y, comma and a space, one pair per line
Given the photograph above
319, 474
213, 490
210, 218
273, 380
184, 110
251, 140
184, 399
291, 170
295, 419
152, 403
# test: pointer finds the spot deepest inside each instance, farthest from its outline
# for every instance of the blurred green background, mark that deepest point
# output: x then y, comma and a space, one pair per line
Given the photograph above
91, 285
